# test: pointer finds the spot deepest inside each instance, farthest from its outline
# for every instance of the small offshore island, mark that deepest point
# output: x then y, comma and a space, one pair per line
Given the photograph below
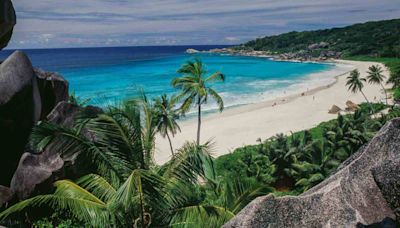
323, 152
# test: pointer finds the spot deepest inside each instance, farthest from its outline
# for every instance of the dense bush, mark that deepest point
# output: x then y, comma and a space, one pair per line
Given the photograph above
303, 159
372, 38
396, 94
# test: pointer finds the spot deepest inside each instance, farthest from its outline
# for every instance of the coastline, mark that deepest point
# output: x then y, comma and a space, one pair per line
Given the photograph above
243, 125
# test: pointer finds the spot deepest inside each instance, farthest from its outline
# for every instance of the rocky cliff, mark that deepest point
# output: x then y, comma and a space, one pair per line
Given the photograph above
365, 190
7, 22
29, 95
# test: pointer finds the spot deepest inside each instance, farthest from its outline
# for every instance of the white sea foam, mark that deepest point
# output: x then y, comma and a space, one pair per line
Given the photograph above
279, 88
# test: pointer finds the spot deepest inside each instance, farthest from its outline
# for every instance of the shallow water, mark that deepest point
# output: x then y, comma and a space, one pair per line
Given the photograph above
108, 75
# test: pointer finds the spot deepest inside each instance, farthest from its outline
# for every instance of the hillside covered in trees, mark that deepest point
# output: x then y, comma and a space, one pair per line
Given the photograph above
378, 39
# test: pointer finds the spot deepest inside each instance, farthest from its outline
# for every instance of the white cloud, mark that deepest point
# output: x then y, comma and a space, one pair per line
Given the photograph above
49, 23
232, 38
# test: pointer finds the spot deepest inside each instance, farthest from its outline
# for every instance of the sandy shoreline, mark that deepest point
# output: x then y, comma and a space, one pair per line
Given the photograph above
243, 125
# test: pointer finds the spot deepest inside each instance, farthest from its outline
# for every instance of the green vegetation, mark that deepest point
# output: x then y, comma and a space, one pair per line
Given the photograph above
126, 188
375, 76
292, 164
379, 39
196, 89
355, 83
396, 94
167, 116
123, 186
392, 63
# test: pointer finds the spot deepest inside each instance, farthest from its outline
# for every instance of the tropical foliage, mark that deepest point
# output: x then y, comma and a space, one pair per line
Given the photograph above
195, 88
122, 186
375, 76
127, 189
295, 163
393, 64
372, 38
167, 115
355, 83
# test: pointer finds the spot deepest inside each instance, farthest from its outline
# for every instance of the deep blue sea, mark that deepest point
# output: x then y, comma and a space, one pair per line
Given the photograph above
108, 75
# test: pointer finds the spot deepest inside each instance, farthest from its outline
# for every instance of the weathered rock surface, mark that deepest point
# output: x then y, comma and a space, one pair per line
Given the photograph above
191, 51
5, 194
385, 223
53, 89
19, 109
318, 45
37, 172
349, 197
7, 22
26, 96
387, 176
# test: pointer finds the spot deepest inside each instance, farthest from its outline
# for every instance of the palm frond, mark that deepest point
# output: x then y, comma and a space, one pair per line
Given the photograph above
191, 162
69, 196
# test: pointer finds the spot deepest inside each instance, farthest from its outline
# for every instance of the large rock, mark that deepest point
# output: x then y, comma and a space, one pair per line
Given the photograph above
53, 89
5, 195
19, 109
36, 172
387, 176
7, 22
26, 96
349, 197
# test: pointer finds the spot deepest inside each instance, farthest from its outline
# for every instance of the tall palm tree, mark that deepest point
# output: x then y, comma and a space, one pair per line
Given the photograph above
355, 84
375, 76
126, 189
394, 78
166, 117
148, 197
196, 89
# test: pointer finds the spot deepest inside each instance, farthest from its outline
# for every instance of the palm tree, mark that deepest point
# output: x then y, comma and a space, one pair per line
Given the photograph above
196, 89
394, 78
355, 84
126, 189
166, 117
375, 76
148, 197
315, 166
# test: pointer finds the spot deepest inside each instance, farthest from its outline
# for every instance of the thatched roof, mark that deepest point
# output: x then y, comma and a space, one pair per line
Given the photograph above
351, 106
334, 109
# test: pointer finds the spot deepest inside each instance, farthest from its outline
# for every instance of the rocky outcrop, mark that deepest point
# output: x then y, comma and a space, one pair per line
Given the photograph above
19, 109
5, 194
53, 89
385, 223
26, 96
7, 22
36, 172
387, 176
319, 45
356, 194
191, 51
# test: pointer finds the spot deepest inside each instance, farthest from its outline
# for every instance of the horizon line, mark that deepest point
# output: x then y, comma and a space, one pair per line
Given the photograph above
88, 47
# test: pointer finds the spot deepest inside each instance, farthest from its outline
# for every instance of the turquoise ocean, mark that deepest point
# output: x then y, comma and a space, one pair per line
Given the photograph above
111, 75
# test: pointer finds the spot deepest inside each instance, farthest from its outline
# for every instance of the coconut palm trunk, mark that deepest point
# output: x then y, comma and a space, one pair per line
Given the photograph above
370, 105
170, 145
386, 96
199, 121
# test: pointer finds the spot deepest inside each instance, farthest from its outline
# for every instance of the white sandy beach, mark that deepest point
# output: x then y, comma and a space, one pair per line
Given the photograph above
240, 126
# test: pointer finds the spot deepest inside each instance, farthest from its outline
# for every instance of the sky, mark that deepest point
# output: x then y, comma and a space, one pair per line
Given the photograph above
93, 23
